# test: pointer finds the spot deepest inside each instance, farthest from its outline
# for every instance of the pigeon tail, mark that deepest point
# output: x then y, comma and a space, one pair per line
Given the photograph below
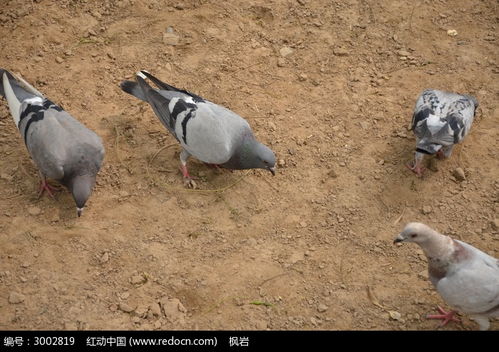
134, 89
166, 86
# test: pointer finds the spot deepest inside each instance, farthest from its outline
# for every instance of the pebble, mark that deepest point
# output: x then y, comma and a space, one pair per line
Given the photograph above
302, 77
104, 258
34, 211
340, 51
452, 32
321, 308
173, 308
16, 298
285, 51
6, 177
59, 59
171, 39
403, 53
426, 209
155, 309
157, 324
281, 163
394, 315
281, 62
458, 173
138, 280
495, 224
124, 307
332, 173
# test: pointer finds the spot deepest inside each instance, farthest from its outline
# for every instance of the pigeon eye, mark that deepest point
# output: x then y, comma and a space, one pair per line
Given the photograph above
414, 235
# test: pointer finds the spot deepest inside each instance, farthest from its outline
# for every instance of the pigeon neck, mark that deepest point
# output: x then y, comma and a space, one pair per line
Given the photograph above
438, 246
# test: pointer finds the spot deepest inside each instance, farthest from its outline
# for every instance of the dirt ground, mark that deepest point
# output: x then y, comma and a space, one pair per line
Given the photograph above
329, 85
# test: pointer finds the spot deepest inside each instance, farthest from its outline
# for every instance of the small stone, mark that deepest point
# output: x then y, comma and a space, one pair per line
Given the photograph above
141, 311
113, 307
340, 51
495, 224
403, 53
452, 32
104, 258
281, 163
426, 209
321, 308
92, 32
458, 173
136, 320
34, 211
303, 224
6, 177
171, 39
285, 51
281, 62
138, 280
173, 309
394, 315
124, 307
331, 173
157, 324
16, 298
302, 77
423, 274
155, 309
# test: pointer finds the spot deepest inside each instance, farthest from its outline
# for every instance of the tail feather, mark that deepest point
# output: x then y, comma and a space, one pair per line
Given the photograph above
12, 100
166, 86
134, 89
159, 104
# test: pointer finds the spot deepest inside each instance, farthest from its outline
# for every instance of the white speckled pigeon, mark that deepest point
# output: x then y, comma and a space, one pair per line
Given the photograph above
61, 147
441, 119
207, 131
464, 276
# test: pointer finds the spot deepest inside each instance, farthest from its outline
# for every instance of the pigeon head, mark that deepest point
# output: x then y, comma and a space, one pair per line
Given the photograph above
415, 232
255, 155
81, 188
252, 154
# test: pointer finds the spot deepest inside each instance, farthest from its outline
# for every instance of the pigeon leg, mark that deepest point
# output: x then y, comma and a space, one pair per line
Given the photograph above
44, 186
188, 181
416, 166
445, 316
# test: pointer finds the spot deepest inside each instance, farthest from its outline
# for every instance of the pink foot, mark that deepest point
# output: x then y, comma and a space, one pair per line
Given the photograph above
445, 316
188, 180
45, 187
418, 170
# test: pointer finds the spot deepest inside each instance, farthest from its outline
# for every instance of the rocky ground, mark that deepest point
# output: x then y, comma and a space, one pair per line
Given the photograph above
329, 85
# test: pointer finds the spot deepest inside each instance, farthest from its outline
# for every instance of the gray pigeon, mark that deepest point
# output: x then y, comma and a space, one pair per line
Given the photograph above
441, 119
207, 131
61, 147
464, 276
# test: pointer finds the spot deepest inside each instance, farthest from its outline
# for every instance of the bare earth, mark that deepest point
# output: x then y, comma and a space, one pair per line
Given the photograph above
329, 85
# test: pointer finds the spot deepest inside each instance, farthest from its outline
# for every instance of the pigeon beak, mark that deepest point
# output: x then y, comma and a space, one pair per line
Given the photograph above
272, 170
398, 239
79, 211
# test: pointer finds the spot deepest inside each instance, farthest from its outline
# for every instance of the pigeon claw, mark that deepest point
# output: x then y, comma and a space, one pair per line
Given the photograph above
446, 317
45, 187
418, 170
190, 183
